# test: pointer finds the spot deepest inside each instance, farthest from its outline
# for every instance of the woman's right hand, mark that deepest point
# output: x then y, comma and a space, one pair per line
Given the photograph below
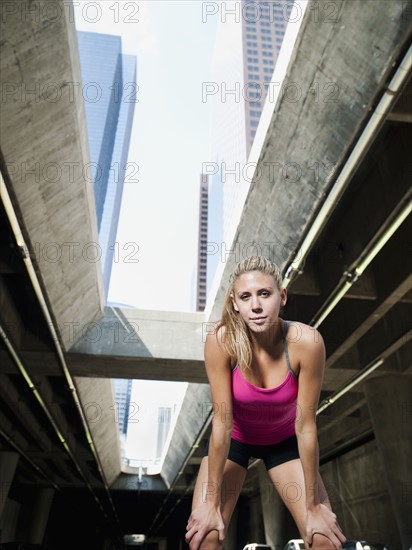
203, 519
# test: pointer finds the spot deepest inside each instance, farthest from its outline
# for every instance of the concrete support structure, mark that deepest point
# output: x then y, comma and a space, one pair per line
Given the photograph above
9, 509
8, 464
62, 245
9, 521
273, 510
231, 534
256, 528
40, 515
389, 402
98, 402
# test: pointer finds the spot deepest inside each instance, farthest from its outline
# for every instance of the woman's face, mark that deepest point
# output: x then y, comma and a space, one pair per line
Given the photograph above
258, 300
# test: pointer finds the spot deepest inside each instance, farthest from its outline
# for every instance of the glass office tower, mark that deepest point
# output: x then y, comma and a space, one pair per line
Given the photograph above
109, 92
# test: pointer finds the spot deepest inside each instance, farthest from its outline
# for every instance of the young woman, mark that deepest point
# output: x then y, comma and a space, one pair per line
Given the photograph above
265, 376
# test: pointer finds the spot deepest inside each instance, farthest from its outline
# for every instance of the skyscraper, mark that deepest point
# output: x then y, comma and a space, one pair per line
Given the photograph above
163, 424
109, 92
121, 171
122, 393
202, 244
214, 230
248, 41
101, 71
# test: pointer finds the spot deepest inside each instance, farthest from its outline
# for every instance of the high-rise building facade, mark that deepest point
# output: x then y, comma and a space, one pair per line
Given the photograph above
122, 393
109, 92
101, 71
121, 170
248, 41
214, 227
202, 243
164, 417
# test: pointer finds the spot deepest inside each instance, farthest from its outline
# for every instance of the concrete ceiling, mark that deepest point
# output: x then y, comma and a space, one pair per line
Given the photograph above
359, 53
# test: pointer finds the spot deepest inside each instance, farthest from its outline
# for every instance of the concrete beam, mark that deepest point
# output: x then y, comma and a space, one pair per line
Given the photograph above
348, 58
131, 332
45, 148
98, 403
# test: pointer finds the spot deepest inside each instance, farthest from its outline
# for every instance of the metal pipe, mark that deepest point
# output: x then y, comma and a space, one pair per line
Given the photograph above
26, 457
361, 263
349, 385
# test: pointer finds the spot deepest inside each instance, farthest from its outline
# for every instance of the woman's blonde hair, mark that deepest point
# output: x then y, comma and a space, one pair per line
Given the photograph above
237, 334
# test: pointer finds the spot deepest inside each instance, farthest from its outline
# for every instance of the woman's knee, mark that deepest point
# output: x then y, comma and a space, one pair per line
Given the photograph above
211, 542
322, 543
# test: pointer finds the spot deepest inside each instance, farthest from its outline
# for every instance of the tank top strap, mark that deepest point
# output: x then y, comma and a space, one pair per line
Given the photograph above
285, 348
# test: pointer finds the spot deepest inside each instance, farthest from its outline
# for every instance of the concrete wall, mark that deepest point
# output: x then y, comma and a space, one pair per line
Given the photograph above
357, 489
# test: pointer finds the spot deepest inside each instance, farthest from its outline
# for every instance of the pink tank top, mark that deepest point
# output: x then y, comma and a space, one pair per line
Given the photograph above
264, 416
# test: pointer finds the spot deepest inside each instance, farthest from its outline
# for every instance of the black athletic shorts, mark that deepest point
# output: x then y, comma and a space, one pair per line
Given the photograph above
272, 455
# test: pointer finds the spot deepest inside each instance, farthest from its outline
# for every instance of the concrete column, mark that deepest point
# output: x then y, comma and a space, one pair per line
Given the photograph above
231, 533
256, 523
273, 510
40, 515
389, 399
8, 464
9, 521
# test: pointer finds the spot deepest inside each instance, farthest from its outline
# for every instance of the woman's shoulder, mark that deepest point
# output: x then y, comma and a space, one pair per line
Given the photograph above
216, 335
302, 335
215, 347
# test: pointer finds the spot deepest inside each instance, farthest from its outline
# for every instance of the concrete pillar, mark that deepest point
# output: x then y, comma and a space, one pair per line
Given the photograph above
8, 464
40, 515
9, 521
256, 521
231, 533
273, 510
389, 399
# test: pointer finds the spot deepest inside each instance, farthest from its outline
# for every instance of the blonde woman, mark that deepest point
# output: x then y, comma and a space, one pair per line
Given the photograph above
265, 376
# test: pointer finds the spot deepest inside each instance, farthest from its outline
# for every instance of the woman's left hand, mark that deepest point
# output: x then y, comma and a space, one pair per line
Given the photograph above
202, 520
321, 520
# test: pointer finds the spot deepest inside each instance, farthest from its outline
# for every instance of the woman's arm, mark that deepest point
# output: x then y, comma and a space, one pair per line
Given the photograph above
207, 515
311, 351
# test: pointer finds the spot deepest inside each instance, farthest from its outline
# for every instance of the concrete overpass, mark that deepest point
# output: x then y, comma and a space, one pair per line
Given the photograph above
329, 201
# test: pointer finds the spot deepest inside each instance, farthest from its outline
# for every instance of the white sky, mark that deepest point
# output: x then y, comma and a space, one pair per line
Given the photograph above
170, 141
142, 427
